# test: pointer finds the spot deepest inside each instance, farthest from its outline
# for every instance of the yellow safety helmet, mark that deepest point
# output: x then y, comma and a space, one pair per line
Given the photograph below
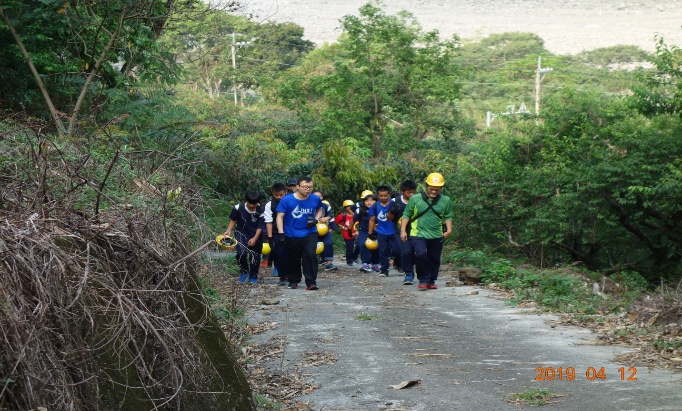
326, 202
320, 247
355, 226
366, 193
266, 249
371, 244
435, 180
347, 203
226, 242
322, 229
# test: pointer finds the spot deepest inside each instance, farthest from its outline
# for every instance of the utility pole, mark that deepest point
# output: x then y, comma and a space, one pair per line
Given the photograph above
234, 63
540, 74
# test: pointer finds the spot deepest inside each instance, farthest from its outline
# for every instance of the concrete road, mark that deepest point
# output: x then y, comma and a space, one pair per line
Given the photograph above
469, 351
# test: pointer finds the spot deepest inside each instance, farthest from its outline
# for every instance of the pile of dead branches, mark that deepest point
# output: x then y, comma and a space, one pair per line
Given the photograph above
100, 307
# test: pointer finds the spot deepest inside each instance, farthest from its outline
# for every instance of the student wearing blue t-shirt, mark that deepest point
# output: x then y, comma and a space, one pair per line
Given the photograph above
247, 224
382, 229
297, 216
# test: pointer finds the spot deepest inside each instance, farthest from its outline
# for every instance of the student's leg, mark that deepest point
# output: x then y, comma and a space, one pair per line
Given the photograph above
309, 258
350, 248
254, 261
280, 255
294, 254
365, 256
328, 252
384, 249
421, 260
434, 250
406, 257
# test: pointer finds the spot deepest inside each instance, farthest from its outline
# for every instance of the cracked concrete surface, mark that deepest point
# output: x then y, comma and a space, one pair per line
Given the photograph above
470, 352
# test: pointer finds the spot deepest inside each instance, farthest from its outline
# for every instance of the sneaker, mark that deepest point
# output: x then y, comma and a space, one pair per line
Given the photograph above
312, 287
330, 267
365, 268
408, 280
432, 287
243, 277
253, 280
282, 282
423, 286
275, 273
384, 273
264, 264
376, 268
293, 286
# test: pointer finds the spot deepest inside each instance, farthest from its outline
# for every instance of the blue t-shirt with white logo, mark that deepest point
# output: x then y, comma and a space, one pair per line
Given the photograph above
384, 226
296, 213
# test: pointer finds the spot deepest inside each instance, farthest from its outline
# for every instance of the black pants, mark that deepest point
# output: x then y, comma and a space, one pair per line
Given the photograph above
279, 254
427, 258
301, 255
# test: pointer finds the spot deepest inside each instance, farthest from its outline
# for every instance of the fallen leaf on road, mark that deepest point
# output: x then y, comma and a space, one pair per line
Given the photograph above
405, 384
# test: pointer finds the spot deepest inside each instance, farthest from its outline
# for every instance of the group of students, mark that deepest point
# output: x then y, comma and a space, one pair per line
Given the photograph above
409, 228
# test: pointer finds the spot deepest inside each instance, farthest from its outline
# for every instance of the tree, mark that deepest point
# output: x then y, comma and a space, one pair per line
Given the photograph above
77, 47
202, 45
386, 83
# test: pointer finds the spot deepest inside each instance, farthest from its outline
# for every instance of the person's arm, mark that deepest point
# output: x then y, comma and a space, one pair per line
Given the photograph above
230, 228
447, 215
318, 214
280, 222
370, 227
403, 228
252, 241
448, 229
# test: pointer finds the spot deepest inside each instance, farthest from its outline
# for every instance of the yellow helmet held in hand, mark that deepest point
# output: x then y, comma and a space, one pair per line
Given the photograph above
266, 249
347, 203
226, 242
322, 229
320, 247
371, 244
366, 193
435, 180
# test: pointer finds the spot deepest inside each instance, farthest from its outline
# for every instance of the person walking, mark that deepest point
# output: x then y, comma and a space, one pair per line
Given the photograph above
278, 254
247, 224
407, 189
382, 229
369, 257
326, 222
297, 217
345, 221
430, 219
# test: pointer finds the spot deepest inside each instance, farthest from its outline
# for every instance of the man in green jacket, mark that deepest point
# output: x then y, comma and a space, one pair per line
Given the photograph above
431, 216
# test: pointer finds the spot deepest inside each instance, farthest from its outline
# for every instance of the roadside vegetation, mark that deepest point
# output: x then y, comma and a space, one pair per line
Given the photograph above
112, 112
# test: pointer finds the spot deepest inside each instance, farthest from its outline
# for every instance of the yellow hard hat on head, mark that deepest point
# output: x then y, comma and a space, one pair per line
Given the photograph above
435, 180
366, 193
347, 203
